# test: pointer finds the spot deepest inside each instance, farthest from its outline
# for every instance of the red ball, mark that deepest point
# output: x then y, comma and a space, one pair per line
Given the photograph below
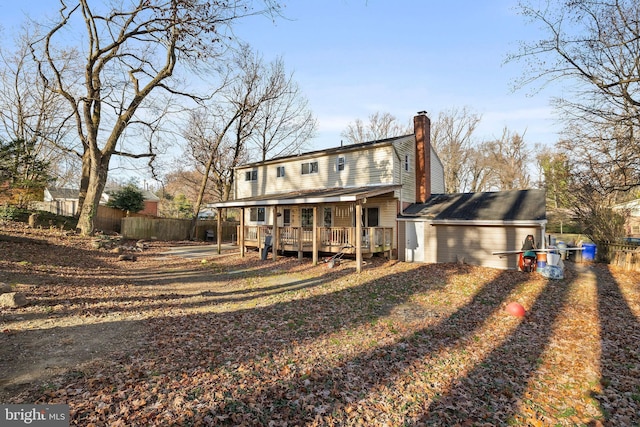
515, 309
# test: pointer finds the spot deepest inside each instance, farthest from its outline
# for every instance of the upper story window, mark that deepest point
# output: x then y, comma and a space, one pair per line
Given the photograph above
280, 171
251, 175
309, 167
340, 163
406, 162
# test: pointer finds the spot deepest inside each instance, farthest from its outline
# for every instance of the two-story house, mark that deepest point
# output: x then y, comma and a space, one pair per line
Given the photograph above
384, 196
345, 199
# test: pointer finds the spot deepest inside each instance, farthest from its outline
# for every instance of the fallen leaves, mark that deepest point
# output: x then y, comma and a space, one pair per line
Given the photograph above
240, 341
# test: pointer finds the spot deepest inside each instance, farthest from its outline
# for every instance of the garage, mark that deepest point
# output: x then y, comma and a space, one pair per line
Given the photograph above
468, 227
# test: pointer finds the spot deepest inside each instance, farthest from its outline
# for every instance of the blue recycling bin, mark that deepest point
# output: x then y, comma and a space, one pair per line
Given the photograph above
588, 252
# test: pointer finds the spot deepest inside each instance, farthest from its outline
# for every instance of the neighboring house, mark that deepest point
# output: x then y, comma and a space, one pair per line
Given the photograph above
207, 213
468, 227
631, 212
64, 201
61, 201
151, 202
345, 199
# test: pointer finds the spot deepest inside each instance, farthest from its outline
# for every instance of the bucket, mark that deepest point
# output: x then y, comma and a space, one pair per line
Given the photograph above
588, 252
553, 259
541, 257
562, 248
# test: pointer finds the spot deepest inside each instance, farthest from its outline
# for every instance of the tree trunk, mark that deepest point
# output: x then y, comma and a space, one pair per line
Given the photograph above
84, 181
95, 186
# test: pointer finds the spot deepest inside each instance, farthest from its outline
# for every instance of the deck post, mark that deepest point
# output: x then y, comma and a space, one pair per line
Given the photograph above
358, 236
219, 233
276, 234
241, 234
300, 235
315, 236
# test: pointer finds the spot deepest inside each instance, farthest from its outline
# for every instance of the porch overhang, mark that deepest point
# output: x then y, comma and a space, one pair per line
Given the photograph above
317, 196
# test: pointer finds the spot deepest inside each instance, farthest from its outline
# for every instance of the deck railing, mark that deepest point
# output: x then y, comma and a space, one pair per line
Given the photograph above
330, 239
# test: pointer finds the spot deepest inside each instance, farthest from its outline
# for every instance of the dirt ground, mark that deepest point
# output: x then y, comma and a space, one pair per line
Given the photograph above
84, 305
223, 340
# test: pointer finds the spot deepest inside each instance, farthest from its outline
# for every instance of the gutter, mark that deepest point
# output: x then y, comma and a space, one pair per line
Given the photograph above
536, 223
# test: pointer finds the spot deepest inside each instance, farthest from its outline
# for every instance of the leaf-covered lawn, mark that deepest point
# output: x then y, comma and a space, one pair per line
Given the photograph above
240, 341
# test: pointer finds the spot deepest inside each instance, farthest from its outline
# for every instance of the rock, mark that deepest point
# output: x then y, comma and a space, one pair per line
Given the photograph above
13, 299
32, 220
4, 287
117, 250
127, 258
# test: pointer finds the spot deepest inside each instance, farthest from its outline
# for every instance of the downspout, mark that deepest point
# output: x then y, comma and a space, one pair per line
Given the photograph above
395, 150
397, 233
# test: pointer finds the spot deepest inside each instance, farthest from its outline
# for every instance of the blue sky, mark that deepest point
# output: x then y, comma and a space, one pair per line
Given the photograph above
353, 58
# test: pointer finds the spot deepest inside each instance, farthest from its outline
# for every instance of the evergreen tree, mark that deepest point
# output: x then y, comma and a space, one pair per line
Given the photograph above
128, 199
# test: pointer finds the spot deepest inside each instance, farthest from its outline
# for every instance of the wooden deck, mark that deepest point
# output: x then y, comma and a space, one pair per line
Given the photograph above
330, 240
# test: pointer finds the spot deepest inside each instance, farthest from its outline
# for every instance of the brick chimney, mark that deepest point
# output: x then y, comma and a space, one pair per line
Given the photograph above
422, 132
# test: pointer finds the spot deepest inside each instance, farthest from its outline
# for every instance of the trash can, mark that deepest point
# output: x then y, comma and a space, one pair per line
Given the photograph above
588, 252
541, 258
267, 246
562, 248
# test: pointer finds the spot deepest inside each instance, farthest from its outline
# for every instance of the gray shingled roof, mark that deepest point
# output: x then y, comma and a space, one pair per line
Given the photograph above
515, 205
322, 195
333, 150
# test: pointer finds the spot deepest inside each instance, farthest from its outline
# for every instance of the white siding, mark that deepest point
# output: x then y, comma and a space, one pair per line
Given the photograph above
437, 173
405, 147
472, 243
369, 166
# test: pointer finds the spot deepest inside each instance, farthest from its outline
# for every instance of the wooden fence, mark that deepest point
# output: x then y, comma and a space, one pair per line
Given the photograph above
175, 229
107, 219
621, 255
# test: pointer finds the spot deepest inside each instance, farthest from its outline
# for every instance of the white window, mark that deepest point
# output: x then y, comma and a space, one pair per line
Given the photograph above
280, 171
309, 167
256, 214
406, 162
340, 163
251, 175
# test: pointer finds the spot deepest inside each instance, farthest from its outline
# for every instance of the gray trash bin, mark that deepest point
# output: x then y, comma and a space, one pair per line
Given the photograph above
267, 246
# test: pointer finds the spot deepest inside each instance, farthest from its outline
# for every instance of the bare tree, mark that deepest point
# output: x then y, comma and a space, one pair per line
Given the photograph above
594, 46
480, 176
511, 163
452, 139
379, 126
283, 123
220, 133
32, 114
131, 52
